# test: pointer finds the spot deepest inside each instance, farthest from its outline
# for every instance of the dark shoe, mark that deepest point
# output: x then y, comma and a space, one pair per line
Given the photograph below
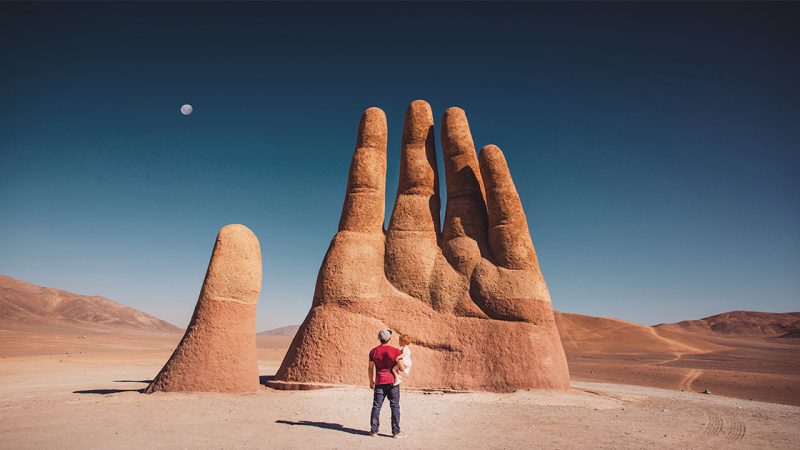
373, 433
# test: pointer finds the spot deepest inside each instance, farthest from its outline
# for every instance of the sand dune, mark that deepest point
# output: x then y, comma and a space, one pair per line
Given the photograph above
26, 306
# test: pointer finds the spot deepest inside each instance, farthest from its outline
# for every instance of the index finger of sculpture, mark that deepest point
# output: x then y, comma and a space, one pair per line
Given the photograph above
465, 214
509, 236
366, 185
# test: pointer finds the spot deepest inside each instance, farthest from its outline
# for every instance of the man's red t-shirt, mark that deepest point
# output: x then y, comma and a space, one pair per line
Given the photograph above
384, 357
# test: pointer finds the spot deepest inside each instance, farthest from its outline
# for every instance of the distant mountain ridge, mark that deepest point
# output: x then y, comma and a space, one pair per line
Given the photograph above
742, 323
27, 306
288, 330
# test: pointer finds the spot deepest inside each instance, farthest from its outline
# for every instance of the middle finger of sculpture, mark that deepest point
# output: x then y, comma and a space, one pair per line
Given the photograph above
470, 293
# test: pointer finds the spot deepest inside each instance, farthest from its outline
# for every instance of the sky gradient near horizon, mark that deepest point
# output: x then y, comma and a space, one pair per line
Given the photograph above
656, 147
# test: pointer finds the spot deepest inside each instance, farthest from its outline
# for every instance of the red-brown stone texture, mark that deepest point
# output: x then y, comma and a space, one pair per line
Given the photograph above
470, 292
218, 351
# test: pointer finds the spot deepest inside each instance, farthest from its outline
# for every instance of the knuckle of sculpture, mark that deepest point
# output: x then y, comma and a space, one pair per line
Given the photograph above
511, 294
367, 169
460, 197
418, 189
363, 190
372, 136
419, 176
455, 148
506, 207
418, 131
410, 217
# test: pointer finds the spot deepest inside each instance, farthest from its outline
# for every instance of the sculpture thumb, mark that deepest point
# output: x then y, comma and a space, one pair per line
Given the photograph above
218, 351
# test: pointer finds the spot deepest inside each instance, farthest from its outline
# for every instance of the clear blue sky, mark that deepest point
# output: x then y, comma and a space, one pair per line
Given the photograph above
656, 147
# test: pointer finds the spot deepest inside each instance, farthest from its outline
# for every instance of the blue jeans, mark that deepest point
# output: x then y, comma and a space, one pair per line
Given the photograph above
382, 391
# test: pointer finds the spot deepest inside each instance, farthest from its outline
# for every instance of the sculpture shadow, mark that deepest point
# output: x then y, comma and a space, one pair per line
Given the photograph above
115, 391
264, 378
107, 391
325, 425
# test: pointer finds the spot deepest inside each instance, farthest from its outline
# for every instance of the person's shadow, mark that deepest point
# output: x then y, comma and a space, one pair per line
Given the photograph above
325, 425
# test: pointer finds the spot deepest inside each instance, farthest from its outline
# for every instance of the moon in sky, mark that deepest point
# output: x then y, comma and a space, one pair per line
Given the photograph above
186, 109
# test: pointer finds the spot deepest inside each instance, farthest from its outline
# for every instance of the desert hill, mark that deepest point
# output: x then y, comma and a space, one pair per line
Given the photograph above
589, 334
288, 330
26, 306
752, 355
742, 323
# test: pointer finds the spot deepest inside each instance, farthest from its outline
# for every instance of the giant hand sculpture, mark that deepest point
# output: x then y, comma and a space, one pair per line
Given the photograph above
471, 295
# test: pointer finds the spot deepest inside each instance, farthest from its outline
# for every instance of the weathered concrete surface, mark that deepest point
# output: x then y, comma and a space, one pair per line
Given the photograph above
218, 351
471, 294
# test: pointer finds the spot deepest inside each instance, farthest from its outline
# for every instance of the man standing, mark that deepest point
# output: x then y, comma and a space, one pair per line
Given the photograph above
381, 361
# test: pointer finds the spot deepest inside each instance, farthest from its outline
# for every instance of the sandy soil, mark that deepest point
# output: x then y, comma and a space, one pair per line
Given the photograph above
756, 370
89, 398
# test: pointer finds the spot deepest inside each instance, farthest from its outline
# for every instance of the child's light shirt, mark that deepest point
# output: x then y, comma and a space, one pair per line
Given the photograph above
406, 356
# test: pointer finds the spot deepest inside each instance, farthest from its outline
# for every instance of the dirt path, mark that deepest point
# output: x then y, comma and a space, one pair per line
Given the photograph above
685, 384
677, 357
691, 376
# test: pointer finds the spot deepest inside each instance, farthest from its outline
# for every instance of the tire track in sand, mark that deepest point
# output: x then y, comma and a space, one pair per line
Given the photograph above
736, 429
714, 426
723, 428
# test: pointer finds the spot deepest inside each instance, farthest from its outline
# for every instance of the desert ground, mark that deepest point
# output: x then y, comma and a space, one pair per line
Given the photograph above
73, 368
76, 390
